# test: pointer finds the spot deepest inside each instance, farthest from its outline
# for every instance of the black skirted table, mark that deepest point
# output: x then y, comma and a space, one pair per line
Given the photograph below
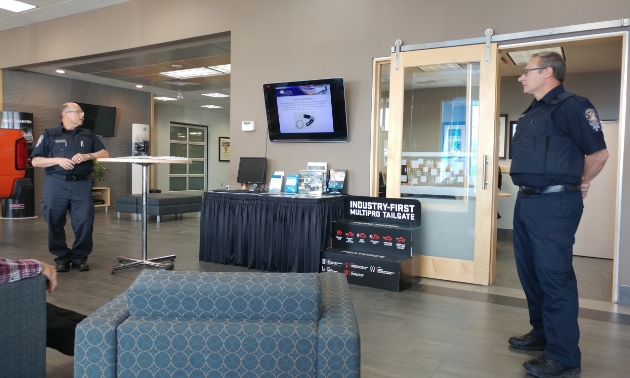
267, 232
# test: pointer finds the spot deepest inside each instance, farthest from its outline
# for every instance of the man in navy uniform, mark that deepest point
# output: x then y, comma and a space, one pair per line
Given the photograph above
557, 150
67, 152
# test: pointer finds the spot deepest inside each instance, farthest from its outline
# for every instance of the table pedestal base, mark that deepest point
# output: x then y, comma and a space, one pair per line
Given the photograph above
154, 262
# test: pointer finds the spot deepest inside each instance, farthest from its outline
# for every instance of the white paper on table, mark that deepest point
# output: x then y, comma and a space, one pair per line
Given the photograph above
460, 179
414, 181
423, 179
420, 161
433, 172
425, 169
414, 164
403, 162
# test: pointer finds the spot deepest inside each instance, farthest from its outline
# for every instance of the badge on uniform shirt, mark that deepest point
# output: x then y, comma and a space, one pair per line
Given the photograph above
40, 140
593, 119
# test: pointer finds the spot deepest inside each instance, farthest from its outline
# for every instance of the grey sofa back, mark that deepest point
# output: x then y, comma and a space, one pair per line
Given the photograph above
289, 296
23, 328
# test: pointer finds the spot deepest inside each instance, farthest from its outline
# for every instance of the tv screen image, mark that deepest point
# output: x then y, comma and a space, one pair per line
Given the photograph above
306, 111
251, 170
100, 119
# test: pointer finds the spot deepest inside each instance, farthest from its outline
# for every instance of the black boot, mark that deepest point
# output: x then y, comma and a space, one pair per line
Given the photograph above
544, 367
527, 342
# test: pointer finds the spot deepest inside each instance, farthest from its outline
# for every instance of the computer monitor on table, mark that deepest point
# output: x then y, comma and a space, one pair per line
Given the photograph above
251, 170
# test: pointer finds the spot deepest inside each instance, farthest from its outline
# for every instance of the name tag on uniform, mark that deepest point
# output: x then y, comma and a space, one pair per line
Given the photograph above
61, 141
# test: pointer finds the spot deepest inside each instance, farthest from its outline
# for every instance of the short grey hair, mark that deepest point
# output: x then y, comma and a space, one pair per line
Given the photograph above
553, 60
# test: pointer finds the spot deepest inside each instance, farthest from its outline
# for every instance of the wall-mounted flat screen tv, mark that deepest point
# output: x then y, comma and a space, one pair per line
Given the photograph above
100, 119
306, 111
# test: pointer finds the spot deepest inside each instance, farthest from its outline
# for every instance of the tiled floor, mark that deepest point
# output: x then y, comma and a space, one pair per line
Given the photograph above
437, 329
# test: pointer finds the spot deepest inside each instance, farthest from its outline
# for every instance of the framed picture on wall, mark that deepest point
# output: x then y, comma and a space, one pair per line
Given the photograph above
512, 131
224, 149
503, 133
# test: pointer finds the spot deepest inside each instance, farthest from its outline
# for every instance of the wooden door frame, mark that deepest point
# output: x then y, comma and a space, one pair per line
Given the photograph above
480, 270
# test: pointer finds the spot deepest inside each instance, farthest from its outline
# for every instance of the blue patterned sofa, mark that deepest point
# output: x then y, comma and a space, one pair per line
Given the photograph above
198, 324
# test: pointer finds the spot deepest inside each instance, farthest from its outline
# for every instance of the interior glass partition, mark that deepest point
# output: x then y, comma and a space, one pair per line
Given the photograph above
440, 144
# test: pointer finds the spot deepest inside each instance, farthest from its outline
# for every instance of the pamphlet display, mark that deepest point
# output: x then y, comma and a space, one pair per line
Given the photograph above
311, 182
291, 185
374, 244
275, 184
336, 181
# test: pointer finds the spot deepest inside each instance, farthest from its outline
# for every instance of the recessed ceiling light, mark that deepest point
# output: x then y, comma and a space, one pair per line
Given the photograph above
191, 73
177, 66
225, 68
523, 57
212, 106
15, 6
215, 95
60, 71
165, 99
138, 86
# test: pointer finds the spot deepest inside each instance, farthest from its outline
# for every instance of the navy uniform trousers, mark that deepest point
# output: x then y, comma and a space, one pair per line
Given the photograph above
60, 197
544, 234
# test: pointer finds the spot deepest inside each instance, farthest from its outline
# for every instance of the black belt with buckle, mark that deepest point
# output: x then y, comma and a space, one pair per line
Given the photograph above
528, 191
69, 177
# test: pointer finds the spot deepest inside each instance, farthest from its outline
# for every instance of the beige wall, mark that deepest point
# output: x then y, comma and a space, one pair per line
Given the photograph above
280, 40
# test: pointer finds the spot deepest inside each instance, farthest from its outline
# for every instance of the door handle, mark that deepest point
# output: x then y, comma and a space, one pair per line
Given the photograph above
485, 162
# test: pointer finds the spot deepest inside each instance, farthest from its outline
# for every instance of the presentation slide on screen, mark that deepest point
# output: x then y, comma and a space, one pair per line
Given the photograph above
305, 109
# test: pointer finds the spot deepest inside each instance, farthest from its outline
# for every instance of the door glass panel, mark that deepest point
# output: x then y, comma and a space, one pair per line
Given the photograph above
177, 184
178, 150
196, 135
439, 154
196, 151
178, 169
178, 133
196, 168
195, 183
383, 130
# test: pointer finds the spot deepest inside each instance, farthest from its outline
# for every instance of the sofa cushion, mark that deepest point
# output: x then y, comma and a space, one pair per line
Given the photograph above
226, 295
205, 347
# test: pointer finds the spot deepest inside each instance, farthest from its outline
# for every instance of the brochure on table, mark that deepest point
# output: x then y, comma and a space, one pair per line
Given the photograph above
291, 185
275, 184
311, 182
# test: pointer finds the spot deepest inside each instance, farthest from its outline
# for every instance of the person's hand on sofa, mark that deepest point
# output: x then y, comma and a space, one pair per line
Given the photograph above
51, 276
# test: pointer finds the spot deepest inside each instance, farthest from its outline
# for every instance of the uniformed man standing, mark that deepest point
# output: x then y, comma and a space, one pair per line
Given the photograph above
67, 152
558, 149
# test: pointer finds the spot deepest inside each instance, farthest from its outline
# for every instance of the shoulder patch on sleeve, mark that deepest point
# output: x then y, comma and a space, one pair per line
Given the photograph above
593, 119
40, 140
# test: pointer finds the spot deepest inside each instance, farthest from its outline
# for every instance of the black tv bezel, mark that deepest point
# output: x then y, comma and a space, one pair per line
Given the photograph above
338, 101
264, 175
93, 129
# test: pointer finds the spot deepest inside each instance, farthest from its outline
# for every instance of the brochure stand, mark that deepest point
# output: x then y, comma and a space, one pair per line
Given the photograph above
374, 243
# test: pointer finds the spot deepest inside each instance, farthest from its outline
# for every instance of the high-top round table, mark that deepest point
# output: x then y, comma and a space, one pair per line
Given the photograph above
145, 162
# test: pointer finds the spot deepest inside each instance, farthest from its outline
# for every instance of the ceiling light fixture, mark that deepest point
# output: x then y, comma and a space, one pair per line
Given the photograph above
225, 68
15, 6
523, 57
177, 66
138, 86
215, 95
191, 73
212, 106
60, 71
165, 99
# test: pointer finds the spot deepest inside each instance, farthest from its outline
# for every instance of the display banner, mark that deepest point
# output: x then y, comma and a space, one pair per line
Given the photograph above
17, 121
383, 210
383, 239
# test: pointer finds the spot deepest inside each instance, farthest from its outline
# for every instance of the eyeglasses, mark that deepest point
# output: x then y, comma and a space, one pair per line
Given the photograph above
79, 112
526, 71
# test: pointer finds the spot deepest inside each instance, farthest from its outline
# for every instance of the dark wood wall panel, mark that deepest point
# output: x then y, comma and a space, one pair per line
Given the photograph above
43, 96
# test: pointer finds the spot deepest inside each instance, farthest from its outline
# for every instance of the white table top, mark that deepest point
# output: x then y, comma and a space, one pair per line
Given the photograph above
146, 160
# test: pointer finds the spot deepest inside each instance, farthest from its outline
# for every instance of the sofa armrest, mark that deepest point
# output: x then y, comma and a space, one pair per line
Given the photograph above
339, 343
95, 341
23, 331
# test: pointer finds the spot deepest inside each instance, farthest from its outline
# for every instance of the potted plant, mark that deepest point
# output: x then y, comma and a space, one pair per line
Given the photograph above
98, 172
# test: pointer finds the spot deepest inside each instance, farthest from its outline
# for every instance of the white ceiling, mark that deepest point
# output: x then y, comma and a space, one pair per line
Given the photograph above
49, 10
